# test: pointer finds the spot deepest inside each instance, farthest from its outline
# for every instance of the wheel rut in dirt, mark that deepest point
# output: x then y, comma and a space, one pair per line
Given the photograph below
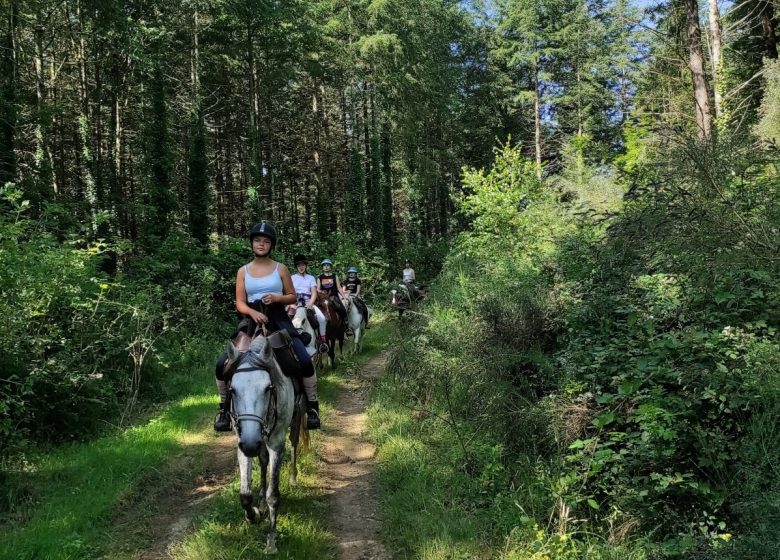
348, 471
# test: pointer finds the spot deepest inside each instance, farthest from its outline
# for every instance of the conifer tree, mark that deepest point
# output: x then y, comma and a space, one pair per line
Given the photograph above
354, 208
197, 183
160, 201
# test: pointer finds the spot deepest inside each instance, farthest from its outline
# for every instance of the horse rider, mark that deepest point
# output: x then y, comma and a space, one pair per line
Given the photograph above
328, 284
263, 289
352, 290
409, 278
306, 290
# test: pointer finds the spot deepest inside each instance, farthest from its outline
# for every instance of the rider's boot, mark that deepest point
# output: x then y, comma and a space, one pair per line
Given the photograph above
222, 421
323, 344
313, 415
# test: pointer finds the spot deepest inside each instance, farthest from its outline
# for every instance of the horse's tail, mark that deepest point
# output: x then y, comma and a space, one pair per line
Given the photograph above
303, 433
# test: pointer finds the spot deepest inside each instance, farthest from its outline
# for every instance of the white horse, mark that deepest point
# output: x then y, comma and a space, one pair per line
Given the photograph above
356, 323
263, 405
301, 322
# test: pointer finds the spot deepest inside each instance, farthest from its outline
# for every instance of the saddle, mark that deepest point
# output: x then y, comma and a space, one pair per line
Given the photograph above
281, 344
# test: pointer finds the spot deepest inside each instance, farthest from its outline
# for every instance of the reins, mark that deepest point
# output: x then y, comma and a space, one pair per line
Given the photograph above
272, 413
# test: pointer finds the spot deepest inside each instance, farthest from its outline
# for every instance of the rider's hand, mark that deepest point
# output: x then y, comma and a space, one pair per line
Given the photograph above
257, 317
270, 298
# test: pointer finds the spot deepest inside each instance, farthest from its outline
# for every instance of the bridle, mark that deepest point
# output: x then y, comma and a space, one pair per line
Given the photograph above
271, 412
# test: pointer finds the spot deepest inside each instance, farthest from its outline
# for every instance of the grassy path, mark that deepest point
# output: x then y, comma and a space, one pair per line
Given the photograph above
348, 470
164, 489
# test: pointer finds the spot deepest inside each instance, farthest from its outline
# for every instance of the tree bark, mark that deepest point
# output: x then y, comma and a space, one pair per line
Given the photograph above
717, 55
537, 123
696, 66
768, 28
8, 75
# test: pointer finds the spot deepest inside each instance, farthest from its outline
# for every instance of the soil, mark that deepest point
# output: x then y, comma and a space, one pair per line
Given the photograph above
348, 471
347, 477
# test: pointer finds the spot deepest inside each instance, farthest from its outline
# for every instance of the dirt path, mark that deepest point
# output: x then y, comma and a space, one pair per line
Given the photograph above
175, 495
348, 471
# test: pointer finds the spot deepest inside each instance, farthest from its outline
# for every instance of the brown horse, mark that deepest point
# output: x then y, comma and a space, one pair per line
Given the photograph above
334, 330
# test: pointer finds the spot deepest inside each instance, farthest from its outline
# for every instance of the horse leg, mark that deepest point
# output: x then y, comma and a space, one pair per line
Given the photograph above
262, 506
295, 434
272, 496
332, 351
245, 492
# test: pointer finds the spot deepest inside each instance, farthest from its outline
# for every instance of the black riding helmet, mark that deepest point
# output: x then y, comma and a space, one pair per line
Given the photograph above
298, 259
263, 229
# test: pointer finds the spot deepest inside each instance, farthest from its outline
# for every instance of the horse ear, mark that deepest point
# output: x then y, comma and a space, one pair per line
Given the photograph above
267, 351
232, 351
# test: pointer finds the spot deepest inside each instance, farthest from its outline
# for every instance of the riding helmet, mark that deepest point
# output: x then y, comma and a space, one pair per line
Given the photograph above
298, 259
352, 269
326, 261
264, 229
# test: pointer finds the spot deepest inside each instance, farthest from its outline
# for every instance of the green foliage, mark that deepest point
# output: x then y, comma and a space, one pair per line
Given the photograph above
81, 345
197, 184
768, 127
354, 208
159, 199
609, 377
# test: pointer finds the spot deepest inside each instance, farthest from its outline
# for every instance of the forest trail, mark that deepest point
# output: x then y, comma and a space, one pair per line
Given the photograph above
192, 481
347, 470
345, 476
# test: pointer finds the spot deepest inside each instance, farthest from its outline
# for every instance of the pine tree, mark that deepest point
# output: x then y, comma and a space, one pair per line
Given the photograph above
160, 201
354, 208
197, 183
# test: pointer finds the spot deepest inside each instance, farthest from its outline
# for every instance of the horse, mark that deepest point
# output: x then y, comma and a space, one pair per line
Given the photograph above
355, 321
300, 321
263, 405
406, 296
334, 330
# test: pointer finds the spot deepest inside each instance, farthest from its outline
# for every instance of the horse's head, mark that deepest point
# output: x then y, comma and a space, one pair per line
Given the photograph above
253, 394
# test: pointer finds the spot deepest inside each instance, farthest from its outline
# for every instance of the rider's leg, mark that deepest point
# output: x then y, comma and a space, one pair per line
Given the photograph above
222, 421
309, 385
323, 328
363, 310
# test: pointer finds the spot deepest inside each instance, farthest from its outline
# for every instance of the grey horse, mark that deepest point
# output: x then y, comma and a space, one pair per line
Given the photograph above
263, 405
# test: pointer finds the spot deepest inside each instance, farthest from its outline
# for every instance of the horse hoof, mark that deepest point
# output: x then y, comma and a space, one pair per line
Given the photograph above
270, 547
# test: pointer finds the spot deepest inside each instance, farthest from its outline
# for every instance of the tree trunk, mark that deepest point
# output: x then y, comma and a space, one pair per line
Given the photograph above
8, 75
717, 55
537, 123
768, 28
696, 67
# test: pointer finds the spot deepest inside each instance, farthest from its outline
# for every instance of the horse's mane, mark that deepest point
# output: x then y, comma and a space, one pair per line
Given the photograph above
262, 359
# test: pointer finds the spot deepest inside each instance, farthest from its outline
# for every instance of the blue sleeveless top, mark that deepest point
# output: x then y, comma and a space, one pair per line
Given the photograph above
256, 288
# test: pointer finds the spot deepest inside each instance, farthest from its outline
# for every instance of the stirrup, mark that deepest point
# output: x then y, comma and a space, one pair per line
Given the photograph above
349, 331
323, 348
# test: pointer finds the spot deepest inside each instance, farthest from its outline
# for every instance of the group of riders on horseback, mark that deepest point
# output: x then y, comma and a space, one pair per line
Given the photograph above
266, 294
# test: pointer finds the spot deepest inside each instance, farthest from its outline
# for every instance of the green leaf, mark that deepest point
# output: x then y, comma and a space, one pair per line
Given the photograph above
592, 503
604, 419
721, 297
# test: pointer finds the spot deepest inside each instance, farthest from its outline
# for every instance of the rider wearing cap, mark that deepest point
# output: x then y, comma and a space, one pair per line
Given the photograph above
306, 290
328, 283
263, 289
352, 290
